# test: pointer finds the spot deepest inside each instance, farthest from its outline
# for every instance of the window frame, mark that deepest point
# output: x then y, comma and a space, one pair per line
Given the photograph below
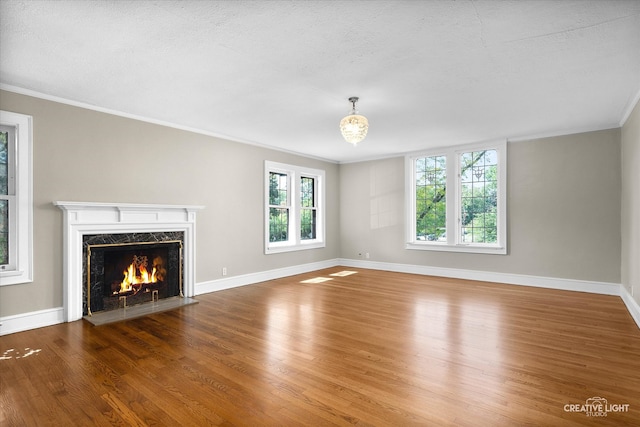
294, 176
21, 211
313, 209
286, 207
453, 199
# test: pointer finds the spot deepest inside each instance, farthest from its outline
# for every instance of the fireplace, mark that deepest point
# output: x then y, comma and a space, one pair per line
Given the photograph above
125, 270
132, 227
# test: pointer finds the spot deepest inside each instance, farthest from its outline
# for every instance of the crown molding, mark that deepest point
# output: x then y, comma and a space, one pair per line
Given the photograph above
53, 98
627, 112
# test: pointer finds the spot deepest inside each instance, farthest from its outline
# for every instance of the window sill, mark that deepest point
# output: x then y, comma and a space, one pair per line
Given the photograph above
14, 277
274, 249
443, 247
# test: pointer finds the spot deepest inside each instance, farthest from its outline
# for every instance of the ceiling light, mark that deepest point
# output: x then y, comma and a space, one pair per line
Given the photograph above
354, 127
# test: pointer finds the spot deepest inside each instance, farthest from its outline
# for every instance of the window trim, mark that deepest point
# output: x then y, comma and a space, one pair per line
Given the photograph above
453, 200
23, 270
294, 174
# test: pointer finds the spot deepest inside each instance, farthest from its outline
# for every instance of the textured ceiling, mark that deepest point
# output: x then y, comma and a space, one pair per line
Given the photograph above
278, 73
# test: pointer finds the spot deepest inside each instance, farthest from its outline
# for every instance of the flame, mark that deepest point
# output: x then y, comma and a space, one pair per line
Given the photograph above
137, 274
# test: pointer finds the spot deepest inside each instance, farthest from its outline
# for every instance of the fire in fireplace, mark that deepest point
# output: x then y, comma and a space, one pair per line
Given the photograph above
126, 274
137, 277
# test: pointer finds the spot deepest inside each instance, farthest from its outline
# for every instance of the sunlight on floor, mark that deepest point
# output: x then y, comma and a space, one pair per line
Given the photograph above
343, 273
15, 354
317, 280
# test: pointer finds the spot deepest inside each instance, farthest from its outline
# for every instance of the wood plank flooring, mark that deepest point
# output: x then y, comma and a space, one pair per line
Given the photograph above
369, 349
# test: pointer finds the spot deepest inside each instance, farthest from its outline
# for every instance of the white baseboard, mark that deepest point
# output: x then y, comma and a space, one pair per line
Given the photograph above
605, 288
632, 304
31, 320
262, 276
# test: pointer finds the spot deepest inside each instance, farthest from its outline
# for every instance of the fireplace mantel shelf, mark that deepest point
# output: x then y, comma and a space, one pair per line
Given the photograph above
122, 206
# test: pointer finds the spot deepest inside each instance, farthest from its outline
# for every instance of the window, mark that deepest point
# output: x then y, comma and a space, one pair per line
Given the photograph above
457, 199
294, 211
308, 208
16, 210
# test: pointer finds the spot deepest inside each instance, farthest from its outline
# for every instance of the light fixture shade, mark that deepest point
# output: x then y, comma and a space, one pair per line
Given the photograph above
354, 128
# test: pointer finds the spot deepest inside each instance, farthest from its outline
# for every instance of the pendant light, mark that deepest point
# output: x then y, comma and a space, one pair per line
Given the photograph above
354, 127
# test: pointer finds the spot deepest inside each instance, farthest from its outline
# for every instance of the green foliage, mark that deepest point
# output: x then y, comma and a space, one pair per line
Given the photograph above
308, 224
279, 208
4, 204
431, 205
431, 208
307, 214
479, 197
277, 189
307, 195
278, 224
4, 163
278, 217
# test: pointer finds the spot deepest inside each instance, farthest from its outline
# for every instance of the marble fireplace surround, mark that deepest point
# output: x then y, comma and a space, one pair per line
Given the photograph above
81, 218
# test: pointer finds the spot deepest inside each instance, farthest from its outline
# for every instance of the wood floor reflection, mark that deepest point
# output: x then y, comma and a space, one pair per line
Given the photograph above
370, 348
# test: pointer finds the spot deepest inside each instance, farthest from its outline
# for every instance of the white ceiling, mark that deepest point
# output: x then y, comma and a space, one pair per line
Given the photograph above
278, 73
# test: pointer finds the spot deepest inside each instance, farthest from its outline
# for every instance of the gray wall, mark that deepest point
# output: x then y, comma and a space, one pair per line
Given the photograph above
563, 211
630, 268
564, 198
84, 155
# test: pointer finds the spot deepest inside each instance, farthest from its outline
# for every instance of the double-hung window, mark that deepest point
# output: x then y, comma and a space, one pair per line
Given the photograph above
16, 241
294, 208
456, 199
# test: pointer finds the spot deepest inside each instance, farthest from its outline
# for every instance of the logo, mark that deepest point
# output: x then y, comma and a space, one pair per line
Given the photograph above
596, 407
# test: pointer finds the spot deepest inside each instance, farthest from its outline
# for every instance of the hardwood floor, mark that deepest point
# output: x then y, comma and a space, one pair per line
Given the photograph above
369, 349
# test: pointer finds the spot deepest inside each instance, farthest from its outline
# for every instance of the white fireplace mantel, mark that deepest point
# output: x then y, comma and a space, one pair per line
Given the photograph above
82, 218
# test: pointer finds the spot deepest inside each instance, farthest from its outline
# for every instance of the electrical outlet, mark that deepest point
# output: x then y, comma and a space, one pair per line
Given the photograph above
366, 255
224, 271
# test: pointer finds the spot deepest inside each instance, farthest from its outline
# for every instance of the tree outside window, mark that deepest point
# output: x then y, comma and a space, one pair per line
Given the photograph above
307, 208
294, 214
4, 197
278, 207
457, 199
479, 197
16, 199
